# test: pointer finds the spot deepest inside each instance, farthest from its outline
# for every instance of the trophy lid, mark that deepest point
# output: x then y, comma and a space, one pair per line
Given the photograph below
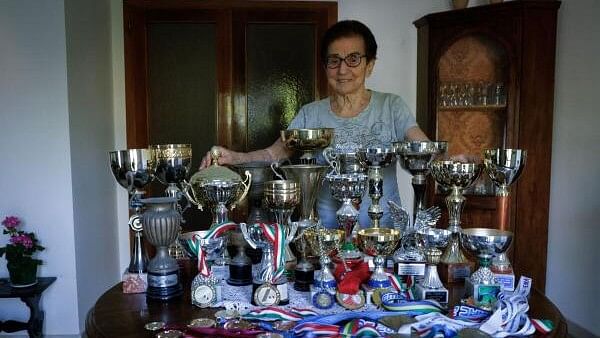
215, 172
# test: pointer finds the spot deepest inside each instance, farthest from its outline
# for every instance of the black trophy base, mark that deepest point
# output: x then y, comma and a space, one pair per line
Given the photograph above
240, 275
164, 294
304, 279
163, 286
285, 300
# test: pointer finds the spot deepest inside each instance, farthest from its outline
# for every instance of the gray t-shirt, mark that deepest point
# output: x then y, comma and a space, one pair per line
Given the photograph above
385, 120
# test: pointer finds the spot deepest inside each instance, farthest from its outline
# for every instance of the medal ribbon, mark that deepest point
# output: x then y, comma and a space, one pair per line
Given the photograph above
272, 313
276, 234
402, 288
217, 230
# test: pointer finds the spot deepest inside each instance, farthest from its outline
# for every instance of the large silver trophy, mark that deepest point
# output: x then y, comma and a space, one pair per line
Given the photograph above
134, 169
161, 223
486, 244
431, 287
270, 284
456, 176
173, 164
504, 166
375, 158
217, 187
343, 161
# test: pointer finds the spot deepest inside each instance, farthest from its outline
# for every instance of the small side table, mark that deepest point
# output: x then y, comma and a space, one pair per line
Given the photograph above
31, 297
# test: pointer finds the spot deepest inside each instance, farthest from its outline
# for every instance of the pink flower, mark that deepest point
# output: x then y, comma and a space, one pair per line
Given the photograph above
11, 222
23, 240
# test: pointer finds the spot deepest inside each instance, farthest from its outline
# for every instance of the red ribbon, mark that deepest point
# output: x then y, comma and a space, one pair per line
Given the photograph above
352, 280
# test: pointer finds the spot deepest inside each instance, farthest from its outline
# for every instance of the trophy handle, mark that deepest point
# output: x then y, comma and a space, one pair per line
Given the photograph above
293, 228
246, 183
244, 228
276, 165
191, 197
330, 157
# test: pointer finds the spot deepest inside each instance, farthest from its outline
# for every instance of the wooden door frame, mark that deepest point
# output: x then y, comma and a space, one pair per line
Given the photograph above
231, 90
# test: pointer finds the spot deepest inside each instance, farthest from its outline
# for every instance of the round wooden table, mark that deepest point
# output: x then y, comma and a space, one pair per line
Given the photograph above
116, 314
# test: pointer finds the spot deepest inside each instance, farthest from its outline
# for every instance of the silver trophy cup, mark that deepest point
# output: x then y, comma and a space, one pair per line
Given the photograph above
375, 158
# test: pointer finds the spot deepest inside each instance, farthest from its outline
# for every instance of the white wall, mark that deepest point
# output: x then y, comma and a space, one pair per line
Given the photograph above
35, 180
573, 255
89, 69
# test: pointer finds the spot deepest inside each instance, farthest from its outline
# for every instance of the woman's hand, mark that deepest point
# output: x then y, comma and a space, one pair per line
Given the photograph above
226, 156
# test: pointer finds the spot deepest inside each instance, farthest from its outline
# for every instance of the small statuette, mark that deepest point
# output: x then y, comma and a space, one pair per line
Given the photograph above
267, 295
204, 295
202, 322
323, 299
169, 334
154, 326
351, 302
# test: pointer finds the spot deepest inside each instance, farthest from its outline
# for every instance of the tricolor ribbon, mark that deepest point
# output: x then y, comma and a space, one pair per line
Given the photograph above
316, 330
217, 230
402, 288
543, 326
276, 234
360, 328
272, 313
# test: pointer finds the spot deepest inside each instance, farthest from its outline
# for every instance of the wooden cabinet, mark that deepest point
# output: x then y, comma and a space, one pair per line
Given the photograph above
485, 78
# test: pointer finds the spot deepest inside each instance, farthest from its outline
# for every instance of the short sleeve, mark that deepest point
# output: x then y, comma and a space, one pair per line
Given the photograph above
299, 121
403, 119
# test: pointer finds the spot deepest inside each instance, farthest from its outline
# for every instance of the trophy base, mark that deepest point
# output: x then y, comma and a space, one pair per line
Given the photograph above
163, 286
506, 280
304, 280
484, 295
455, 272
134, 282
409, 268
240, 275
283, 293
439, 295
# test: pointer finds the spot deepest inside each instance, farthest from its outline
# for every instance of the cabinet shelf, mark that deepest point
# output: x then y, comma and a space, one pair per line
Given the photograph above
473, 107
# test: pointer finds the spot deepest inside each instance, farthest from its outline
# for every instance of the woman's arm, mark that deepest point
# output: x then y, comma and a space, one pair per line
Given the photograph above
275, 152
415, 134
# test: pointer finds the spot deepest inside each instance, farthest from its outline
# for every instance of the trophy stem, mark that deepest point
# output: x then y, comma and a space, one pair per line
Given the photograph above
419, 184
375, 211
502, 212
139, 259
453, 254
484, 274
432, 278
379, 278
455, 202
220, 214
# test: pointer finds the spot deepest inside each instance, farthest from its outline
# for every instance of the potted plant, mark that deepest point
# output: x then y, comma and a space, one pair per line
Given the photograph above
19, 251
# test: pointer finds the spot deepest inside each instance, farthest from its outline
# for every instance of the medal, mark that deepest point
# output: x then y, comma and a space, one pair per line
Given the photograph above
154, 326
267, 295
204, 295
202, 322
323, 300
351, 302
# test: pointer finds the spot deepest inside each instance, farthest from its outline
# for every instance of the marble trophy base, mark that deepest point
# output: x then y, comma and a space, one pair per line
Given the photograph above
484, 295
455, 272
304, 279
163, 286
240, 275
440, 295
283, 293
506, 280
134, 282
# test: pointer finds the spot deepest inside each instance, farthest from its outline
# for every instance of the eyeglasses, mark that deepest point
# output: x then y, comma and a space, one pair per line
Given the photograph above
351, 60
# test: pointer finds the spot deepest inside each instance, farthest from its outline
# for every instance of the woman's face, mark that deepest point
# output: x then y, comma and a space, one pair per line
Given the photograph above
348, 80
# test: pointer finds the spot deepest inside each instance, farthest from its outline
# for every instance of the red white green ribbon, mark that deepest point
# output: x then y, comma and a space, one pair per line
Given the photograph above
303, 312
543, 326
276, 234
316, 330
272, 313
360, 328
217, 230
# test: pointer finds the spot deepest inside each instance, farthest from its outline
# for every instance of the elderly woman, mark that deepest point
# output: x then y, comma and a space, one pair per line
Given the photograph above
360, 117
